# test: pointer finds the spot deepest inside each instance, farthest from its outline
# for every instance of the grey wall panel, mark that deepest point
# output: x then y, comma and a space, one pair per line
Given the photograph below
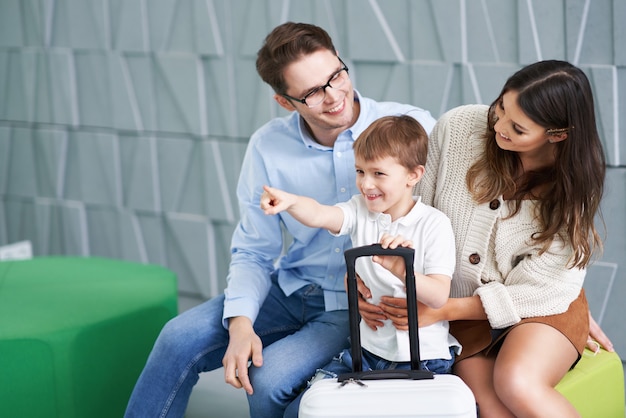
370, 30
22, 23
150, 231
50, 86
139, 172
139, 82
426, 34
177, 87
217, 173
217, 99
381, 79
5, 144
175, 158
618, 112
49, 146
22, 178
53, 227
79, 24
541, 30
10, 29
255, 103
129, 26
14, 105
32, 161
607, 278
110, 234
604, 83
619, 32
587, 27
190, 243
93, 168
94, 85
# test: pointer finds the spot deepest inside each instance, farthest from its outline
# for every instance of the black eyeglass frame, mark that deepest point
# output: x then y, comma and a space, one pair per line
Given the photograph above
324, 87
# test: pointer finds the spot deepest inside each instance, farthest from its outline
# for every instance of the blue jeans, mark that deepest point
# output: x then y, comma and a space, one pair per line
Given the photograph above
343, 364
298, 338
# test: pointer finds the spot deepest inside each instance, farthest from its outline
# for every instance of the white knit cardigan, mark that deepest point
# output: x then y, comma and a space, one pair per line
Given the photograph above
496, 258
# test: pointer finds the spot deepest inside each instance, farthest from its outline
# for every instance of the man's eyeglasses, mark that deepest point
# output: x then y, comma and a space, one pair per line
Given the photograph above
318, 94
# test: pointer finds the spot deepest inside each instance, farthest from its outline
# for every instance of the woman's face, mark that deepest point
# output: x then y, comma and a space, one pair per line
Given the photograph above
516, 132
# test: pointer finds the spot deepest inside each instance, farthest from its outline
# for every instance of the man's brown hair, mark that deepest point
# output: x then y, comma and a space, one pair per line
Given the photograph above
285, 44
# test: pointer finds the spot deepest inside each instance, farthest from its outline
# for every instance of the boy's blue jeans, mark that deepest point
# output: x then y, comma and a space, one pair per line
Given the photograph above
298, 338
343, 364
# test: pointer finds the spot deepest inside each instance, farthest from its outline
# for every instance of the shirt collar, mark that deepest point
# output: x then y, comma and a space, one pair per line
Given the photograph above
408, 219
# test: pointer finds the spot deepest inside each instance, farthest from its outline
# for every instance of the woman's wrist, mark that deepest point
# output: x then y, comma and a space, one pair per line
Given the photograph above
449, 309
464, 308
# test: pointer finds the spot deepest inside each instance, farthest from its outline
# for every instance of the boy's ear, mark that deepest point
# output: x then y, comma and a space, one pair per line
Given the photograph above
284, 102
416, 175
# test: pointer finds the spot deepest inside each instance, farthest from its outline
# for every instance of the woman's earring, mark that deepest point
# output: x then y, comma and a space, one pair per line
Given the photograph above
550, 141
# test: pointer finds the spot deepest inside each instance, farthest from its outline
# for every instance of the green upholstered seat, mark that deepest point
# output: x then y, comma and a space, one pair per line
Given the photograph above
596, 385
75, 333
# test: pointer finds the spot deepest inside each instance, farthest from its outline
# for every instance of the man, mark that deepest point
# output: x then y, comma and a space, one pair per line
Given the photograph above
285, 315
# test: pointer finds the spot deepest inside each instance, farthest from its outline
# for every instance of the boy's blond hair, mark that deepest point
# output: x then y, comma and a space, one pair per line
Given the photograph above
400, 137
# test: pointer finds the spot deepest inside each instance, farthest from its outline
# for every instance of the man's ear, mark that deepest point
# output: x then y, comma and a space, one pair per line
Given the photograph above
284, 102
416, 175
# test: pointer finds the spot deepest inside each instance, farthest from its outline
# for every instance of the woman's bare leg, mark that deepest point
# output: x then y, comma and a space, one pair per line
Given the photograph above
477, 373
533, 359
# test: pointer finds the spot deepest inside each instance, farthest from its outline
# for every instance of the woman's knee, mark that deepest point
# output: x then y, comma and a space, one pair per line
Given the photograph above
511, 383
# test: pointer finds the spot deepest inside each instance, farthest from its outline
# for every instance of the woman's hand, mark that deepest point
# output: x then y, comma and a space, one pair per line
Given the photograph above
597, 338
372, 315
395, 309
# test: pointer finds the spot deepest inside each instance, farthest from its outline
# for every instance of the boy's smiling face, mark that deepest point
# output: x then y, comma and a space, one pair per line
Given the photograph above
386, 185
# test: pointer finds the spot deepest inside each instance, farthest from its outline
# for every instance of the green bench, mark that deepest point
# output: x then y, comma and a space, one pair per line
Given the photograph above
75, 333
596, 385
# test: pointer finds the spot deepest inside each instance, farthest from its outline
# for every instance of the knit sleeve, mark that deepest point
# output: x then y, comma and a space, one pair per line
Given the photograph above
538, 285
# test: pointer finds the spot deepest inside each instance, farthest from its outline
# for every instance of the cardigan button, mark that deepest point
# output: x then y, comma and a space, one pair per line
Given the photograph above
474, 258
494, 204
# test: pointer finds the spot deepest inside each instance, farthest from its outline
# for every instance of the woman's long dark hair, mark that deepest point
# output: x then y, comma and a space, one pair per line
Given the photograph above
557, 96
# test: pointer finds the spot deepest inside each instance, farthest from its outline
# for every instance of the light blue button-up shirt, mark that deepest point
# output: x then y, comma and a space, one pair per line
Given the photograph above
283, 154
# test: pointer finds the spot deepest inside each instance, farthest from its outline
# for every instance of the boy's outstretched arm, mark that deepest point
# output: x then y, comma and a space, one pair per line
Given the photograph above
304, 209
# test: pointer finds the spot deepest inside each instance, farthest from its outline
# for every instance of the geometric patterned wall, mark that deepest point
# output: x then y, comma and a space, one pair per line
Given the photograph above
123, 122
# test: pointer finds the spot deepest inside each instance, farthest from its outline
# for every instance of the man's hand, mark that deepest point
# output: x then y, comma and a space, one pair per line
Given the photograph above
244, 345
372, 315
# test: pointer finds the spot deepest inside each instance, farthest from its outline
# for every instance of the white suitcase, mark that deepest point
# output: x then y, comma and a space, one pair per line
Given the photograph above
387, 393
444, 396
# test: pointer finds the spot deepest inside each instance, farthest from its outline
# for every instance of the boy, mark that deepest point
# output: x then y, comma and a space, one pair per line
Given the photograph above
389, 159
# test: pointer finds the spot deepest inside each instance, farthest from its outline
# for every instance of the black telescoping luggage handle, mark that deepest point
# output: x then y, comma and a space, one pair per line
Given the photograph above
416, 371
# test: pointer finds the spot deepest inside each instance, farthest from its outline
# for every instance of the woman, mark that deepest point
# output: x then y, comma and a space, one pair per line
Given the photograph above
521, 181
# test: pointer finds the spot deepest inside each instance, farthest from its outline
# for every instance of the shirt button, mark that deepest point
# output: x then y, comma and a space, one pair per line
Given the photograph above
343, 190
474, 258
339, 154
494, 204
337, 250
